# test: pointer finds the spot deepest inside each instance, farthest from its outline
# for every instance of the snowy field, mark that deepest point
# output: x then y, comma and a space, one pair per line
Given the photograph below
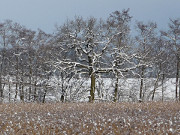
78, 90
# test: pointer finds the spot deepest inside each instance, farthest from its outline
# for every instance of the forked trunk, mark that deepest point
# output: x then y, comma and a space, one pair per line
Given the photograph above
155, 86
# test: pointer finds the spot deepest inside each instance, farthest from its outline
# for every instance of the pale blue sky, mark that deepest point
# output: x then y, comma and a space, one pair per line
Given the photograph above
44, 14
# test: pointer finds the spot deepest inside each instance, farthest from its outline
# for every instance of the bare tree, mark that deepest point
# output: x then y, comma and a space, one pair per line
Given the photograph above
145, 40
120, 47
173, 36
87, 41
5, 31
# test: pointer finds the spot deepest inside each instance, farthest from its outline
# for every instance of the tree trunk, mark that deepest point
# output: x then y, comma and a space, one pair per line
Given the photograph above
9, 92
1, 70
141, 85
17, 76
163, 77
22, 93
16, 92
1, 74
92, 75
44, 95
62, 98
21, 87
62, 88
63, 93
1, 89
155, 86
30, 79
116, 89
177, 80
179, 90
35, 91
92, 91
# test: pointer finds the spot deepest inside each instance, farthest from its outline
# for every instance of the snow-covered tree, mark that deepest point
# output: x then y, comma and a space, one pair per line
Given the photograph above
173, 36
146, 40
5, 31
120, 47
95, 47
84, 42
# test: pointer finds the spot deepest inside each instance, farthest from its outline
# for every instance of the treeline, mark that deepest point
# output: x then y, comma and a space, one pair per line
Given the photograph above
86, 48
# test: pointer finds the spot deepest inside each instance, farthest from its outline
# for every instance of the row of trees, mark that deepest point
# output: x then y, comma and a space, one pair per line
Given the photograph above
88, 48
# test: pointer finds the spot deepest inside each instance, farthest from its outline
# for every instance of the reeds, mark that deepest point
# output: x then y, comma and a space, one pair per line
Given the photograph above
151, 118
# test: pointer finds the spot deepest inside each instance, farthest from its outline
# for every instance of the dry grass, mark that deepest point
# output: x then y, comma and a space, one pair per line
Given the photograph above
85, 118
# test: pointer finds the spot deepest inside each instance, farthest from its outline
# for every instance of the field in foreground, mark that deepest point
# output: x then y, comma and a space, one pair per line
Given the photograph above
90, 118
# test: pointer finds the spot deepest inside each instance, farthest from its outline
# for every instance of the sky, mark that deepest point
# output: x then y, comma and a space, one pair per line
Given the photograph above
44, 14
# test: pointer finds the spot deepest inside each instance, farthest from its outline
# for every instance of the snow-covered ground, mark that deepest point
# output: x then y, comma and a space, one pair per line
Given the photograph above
78, 89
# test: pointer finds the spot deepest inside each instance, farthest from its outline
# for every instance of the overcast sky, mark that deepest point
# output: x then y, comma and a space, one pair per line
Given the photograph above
44, 14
